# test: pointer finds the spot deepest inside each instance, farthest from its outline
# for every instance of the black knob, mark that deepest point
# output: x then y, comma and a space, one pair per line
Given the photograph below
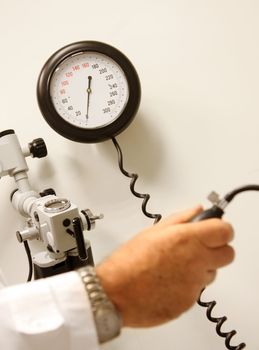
38, 148
47, 192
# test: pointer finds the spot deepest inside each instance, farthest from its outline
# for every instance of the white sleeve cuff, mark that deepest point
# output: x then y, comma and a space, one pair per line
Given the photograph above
49, 313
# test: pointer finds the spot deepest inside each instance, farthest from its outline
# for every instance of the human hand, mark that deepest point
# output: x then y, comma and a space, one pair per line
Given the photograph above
160, 273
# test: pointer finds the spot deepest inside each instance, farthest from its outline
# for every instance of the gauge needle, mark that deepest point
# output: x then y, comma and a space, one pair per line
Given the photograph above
89, 91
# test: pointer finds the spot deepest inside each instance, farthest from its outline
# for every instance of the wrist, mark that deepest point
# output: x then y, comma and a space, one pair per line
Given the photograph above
117, 289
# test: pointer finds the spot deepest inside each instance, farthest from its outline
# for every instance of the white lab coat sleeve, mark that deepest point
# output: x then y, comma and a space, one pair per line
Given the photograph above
50, 313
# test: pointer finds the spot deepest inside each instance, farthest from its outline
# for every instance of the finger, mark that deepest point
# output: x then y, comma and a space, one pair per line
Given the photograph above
220, 257
213, 233
181, 217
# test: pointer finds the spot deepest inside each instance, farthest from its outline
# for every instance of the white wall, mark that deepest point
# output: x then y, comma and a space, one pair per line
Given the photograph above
196, 131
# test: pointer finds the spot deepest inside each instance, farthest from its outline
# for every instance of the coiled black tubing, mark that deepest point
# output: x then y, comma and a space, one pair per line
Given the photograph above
134, 178
219, 323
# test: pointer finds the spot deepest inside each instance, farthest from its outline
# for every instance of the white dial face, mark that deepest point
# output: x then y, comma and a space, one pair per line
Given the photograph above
89, 90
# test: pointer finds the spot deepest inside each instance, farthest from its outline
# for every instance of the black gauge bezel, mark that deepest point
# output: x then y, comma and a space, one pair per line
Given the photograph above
73, 132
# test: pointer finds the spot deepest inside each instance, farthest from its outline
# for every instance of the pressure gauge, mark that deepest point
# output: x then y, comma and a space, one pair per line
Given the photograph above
88, 91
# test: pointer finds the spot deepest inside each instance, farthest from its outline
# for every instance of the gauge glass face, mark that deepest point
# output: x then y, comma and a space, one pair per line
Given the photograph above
89, 90
56, 205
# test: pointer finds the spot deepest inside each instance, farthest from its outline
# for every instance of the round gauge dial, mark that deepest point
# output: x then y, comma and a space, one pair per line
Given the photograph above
104, 95
88, 91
